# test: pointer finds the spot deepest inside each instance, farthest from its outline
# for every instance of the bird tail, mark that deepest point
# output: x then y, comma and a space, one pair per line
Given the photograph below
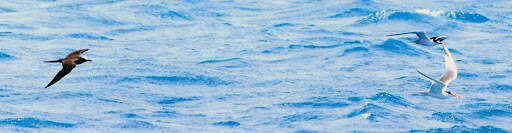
54, 61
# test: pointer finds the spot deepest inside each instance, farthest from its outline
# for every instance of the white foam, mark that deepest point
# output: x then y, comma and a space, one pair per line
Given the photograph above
430, 12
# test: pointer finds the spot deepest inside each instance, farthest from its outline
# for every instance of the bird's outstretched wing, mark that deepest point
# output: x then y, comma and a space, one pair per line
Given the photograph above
451, 68
76, 53
63, 72
421, 35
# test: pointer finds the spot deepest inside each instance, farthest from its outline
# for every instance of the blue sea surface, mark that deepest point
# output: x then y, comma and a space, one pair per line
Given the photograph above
303, 66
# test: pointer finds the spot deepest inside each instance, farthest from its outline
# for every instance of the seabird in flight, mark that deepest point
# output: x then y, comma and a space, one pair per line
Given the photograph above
73, 59
438, 88
423, 39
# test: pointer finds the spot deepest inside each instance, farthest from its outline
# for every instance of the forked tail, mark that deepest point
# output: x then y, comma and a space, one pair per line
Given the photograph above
54, 61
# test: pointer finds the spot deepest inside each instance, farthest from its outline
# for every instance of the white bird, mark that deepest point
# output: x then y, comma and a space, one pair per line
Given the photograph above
423, 39
438, 88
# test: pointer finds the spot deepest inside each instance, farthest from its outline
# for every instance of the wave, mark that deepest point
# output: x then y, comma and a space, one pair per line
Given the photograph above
498, 87
110, 100
507, 107
467, 75
485, 113
166, 113
371, 112
100, 20
268, 83
187, 80
130, 115
227, 123
411, 16
69, 95
449, 117
138, 124
283, 25
298, 47
497, 76
390, 15
15, 26
454, 51
131, 30
200, 12
353, 12
355, 50
6, 10
161, 12
355, 99
399, 47
174, 100
30, 122
390, 99
228, 63
23, 36
172, 15
5, 56
315, 105
89, 36
464, 129
470, 17
308, 116
487, 61
419, 16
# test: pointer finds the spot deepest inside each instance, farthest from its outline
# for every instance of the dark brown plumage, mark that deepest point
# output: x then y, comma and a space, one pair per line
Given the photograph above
73, 59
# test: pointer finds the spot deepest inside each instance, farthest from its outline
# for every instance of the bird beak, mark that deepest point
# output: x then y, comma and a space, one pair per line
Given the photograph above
457, 95
453, 94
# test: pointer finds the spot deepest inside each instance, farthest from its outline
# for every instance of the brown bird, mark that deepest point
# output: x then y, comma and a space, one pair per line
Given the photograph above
73, 59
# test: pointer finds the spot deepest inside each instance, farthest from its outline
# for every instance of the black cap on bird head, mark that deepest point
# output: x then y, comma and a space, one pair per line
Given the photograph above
438, 39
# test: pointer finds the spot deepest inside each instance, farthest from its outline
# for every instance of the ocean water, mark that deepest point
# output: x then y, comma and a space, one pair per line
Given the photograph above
253, 66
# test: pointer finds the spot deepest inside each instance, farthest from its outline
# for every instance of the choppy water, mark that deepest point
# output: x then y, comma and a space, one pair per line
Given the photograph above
253, 66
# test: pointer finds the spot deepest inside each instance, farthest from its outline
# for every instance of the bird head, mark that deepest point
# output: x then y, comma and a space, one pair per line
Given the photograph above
438, 39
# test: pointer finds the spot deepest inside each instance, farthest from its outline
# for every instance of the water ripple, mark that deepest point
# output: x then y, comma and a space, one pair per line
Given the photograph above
187, 80
308, 116
35, 123
136, 124
371, 112
399, 47
390, 99
470, 17
463, 129
89, 36
227, 123
174, 100
315, 105
5, 56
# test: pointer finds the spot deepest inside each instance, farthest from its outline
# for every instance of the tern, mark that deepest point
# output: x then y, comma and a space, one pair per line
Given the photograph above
72, 59
438, 88
423, 39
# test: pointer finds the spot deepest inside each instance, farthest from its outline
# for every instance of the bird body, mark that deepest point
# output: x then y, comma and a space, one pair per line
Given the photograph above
71, 61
